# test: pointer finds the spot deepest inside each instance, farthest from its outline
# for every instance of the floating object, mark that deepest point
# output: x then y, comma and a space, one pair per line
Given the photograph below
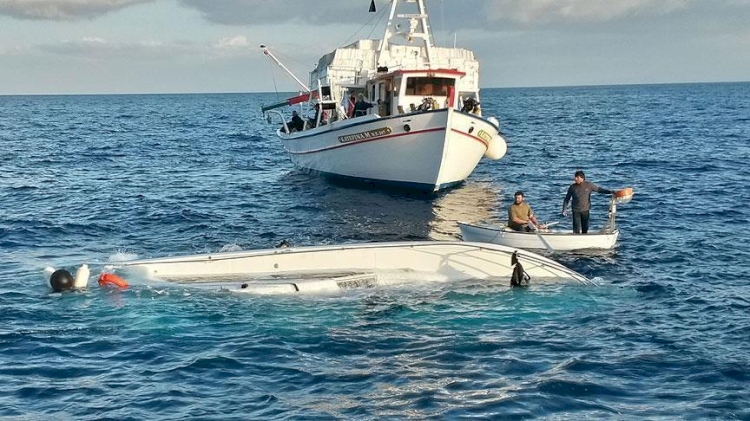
82, 277
421, 126
519, 277
61, 280
316, 269
112, 280
48, 271
624, 195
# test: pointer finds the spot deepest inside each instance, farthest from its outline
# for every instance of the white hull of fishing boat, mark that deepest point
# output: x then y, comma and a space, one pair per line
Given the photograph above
416, 120
557, 240
333, 268
427, 150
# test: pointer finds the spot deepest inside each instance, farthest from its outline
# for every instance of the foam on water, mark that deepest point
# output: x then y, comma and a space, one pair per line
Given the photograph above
122, 256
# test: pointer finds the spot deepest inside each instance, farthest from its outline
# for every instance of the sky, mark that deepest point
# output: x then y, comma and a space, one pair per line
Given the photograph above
197, 46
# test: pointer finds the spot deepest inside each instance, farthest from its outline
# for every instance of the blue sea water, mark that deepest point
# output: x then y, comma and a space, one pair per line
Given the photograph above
665, 335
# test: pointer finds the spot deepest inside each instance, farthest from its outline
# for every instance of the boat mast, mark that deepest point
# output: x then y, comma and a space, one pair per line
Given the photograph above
416, 21
275, 60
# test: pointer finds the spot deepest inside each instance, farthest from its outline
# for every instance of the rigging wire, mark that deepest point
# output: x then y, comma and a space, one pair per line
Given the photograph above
275, 68
275, 88
442, 24
377, 24
272, 70
378, 16
287, 58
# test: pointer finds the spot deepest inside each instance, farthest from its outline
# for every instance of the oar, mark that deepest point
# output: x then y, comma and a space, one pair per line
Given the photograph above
536, 231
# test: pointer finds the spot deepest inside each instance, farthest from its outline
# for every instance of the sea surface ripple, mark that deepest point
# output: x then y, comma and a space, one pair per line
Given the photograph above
664, 335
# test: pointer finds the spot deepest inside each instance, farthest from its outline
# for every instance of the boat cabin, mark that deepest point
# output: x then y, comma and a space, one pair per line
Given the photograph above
405, 91
401, 73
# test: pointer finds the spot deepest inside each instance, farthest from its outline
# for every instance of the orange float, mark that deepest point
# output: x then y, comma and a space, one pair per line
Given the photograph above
623, 195
626, 192
112, 280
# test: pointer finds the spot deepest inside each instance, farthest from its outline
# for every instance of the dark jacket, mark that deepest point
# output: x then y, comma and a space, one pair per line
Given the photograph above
297, 123
581, 195
361, 107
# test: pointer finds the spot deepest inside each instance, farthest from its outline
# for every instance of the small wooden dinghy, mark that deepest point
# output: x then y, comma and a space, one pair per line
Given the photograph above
548, 239
557, 240
336, 267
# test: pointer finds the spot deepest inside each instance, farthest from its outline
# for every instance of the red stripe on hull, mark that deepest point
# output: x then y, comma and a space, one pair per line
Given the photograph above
357, 142
478, 139
482, 141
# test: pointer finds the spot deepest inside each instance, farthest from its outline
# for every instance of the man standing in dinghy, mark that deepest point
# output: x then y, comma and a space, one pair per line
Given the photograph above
580, 192
520, 213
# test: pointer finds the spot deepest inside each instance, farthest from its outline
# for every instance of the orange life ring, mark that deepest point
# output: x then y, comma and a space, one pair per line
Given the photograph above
110, 279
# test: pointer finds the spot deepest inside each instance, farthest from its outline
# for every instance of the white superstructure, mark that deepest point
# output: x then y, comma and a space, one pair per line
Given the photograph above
418, 123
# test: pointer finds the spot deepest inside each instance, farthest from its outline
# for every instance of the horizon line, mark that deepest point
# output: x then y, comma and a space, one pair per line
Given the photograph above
275, 92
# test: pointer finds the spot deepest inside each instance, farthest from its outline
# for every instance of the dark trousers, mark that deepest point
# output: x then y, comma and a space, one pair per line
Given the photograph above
519, 227
581, 222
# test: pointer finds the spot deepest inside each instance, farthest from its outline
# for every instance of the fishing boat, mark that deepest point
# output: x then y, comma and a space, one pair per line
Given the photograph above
316, 269
547, 239
416, 120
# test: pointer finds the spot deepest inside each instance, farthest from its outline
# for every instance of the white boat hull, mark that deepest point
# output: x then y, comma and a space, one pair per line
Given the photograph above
332, 268
425, 150
557, 240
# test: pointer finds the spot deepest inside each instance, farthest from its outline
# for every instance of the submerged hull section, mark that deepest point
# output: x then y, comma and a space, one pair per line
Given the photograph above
557, 240
426, 150
325, 268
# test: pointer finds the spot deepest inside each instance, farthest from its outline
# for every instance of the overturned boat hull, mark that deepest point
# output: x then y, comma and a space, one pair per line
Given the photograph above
333, 268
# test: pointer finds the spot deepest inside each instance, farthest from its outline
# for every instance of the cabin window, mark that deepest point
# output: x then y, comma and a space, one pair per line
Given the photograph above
429, 86
396, 85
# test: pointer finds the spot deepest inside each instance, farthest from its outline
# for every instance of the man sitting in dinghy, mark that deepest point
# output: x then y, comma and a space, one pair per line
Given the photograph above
520, 213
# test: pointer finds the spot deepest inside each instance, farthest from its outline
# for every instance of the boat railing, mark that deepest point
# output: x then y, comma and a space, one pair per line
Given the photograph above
612, 223
269, 120
619, 197
326, 112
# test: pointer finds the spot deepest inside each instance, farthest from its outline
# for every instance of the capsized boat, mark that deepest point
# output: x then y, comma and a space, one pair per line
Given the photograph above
552, 240
418, 124
316, 269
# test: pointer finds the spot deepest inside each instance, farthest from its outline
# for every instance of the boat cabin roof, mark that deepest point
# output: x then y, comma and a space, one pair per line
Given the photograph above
422, 72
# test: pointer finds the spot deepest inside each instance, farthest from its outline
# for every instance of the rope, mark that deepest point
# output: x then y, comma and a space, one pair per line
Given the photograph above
442, 23
380, 18
273, 77
378, 15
